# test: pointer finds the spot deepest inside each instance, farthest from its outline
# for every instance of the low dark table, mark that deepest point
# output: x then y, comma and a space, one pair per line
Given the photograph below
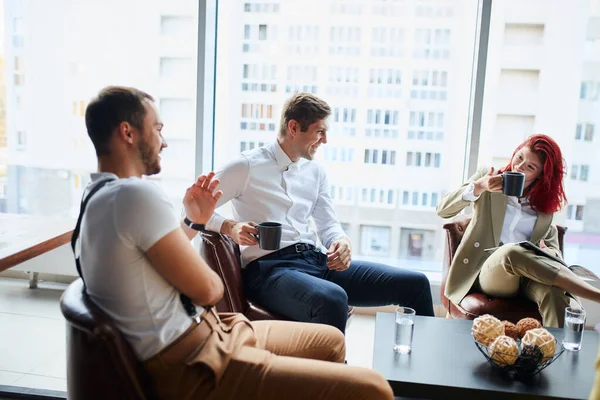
445, 364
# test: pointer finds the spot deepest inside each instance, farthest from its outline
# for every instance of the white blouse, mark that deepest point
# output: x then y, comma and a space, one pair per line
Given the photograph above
519, 219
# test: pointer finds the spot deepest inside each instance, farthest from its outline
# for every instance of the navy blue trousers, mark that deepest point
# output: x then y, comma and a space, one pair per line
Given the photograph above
299, 285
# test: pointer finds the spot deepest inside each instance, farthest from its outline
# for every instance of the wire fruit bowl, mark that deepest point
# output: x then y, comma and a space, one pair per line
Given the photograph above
525, 366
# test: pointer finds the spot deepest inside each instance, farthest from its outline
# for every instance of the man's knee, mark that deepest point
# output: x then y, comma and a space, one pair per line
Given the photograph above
422, 281
330, 306
331, 299
336, 344
415, 280
373, 385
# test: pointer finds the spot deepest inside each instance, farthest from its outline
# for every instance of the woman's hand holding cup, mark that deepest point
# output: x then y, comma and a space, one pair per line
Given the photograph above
489, 182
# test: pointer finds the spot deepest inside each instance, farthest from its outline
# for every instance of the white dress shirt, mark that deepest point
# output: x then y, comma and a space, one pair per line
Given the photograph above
265, 185
519, 219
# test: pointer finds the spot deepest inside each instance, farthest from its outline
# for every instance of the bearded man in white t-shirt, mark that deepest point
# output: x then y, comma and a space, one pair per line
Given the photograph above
139, 267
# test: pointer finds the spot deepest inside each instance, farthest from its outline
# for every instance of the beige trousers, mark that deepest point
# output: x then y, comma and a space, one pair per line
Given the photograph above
512, 269
267, 360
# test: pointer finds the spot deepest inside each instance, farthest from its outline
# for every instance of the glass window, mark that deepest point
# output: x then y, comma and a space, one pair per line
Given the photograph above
375, 240
176, 26
589, 132
574, 171
405, 195
262, 32
415, 198
417, 244
584, 173
428, 52
570, 212
149, 59
346, 227
579, 213
434, 199
510, 103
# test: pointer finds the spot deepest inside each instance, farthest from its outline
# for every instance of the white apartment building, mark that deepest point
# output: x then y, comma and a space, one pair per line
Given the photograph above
398, 75
59, 54
543, 77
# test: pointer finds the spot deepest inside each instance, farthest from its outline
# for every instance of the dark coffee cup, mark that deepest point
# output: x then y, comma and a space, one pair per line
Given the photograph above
513, 183
269, 235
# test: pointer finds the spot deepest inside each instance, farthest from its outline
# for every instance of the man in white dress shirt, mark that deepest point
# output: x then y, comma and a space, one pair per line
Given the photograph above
281, 183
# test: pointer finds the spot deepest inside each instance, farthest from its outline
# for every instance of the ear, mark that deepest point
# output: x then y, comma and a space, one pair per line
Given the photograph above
293, 128
125, 132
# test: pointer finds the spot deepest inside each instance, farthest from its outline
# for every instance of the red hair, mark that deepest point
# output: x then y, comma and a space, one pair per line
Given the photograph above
546, 193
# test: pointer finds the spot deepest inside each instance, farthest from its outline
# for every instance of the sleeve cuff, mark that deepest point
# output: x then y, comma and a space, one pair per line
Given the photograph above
468, 193
215, 223
328, 245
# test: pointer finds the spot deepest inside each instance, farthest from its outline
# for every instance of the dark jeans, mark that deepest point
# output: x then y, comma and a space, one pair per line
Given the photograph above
302, 288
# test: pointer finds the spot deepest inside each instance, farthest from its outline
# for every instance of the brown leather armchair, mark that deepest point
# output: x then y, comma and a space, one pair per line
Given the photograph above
475, 303
223, 255
100, 363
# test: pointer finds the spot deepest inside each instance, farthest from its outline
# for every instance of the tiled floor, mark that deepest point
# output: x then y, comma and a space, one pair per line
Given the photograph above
32, 336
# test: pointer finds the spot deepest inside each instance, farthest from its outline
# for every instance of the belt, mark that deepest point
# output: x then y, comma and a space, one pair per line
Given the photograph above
295, 248
192, 339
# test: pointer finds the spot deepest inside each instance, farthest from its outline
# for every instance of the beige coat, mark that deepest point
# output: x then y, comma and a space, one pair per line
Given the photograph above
483, 232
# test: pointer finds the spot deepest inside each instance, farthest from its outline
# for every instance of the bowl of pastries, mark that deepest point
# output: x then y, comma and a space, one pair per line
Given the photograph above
522, 349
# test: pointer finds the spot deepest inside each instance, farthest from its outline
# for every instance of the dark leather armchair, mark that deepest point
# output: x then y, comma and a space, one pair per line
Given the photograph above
223, 255
475, 303
100, 363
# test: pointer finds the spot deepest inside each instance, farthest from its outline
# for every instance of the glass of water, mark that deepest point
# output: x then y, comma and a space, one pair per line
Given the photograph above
405, 323
573, 328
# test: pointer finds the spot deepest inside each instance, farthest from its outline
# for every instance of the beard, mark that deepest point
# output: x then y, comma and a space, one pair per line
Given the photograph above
149, 158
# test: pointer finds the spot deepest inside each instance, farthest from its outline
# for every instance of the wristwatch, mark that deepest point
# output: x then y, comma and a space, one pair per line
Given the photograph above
193, 225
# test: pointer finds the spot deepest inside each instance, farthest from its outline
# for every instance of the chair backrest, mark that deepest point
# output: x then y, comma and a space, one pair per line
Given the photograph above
100, 362
222, 254
455, 231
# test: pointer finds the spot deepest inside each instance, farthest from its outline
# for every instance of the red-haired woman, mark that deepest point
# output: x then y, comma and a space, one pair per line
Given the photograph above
500, 220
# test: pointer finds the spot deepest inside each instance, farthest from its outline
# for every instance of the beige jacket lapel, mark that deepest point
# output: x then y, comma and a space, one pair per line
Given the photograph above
498, 212
541, 227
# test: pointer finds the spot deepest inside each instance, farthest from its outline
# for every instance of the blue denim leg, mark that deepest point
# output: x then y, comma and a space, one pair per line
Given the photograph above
370, 284
293, 287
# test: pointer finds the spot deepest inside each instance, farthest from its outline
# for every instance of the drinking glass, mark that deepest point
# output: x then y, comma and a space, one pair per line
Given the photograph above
573, 328
405, 323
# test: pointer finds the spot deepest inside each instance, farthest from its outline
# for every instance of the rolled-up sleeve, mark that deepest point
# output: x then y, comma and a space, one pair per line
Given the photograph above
329, 228
468, 194
233, 180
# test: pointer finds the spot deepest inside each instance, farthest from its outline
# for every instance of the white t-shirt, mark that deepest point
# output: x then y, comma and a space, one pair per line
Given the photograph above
121, 222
